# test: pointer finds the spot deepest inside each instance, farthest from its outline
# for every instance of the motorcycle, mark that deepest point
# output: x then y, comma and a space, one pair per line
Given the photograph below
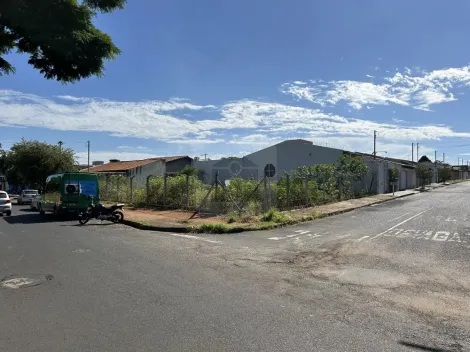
114, 213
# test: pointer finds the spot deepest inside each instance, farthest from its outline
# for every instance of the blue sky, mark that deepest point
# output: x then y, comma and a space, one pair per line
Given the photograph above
228, 78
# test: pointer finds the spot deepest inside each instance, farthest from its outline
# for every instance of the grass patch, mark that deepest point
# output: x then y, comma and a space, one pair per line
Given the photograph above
213, 228
275, 216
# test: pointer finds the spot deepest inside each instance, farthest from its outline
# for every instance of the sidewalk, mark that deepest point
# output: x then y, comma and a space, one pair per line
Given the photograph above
178, 221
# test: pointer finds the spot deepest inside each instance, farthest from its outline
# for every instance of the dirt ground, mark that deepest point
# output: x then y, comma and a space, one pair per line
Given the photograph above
174, 218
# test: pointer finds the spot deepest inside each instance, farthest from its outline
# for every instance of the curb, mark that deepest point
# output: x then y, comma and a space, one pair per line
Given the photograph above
138, 225
183, 229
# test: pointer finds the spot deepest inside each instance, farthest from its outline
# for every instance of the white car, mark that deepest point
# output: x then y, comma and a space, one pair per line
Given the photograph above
27, 196
5, 203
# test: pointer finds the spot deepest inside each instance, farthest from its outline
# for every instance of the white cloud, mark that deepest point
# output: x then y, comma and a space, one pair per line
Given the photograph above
419, 91
196, 141
82, 157
246, 122
139, 147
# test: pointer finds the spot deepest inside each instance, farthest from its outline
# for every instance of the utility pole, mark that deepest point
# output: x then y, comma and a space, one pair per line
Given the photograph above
412, 152
443, 158
417, 152
375, 143
205, 156
60, 145
88, 145
435, 166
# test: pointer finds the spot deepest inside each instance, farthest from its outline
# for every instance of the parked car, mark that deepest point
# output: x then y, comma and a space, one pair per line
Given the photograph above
26, 196
5, 203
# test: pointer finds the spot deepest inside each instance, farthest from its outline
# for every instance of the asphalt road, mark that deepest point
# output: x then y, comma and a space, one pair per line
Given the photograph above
382, 278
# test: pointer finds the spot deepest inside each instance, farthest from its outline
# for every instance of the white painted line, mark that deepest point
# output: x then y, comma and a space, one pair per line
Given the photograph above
304, 232
194, 237
17, 282
298, 231
398, 217
401, 223
362, 238
315, 235
345, 236
289, 236
276, 238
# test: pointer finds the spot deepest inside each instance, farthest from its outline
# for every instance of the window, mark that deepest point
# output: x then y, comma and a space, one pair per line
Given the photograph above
3, 195
53, 184
30, 192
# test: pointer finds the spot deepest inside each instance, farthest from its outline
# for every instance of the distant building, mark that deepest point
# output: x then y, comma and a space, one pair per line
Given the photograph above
139, 170
286, 156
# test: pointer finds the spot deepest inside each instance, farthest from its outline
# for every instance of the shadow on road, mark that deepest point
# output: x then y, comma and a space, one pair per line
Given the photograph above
420, 347
89, 224
31, 217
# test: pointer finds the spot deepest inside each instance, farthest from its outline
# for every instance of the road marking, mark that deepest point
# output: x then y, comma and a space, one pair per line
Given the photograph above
401, 223
362, 238
398, 217
275, 238
194, 237
344, 236
17, 282
439, 236
21, 257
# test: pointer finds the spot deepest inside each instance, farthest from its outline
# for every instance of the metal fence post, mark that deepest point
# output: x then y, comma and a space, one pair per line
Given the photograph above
288, 190
165, 188
117, 186
132, 189
306, 190
265, 198
187, 191
147, 190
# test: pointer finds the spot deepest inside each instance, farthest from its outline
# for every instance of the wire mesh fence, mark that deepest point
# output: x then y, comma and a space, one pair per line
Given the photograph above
302, 188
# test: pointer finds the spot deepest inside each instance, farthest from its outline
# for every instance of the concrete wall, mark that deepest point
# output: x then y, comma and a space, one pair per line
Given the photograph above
141, 173
178, 165
292, 154
286, 156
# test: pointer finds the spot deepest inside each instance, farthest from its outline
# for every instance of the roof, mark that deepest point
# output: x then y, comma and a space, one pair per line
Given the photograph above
402, 162
122, 166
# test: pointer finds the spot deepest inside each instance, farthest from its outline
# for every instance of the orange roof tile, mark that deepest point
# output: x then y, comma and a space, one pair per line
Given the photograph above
122, 166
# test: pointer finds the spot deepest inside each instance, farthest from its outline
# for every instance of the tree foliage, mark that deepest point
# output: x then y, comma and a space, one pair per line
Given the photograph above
30, 162
424, 173
351, 166
58, 35
393, 175
445, 174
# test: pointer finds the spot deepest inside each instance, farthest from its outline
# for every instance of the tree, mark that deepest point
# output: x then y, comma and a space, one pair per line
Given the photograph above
58, 35
3, 161
393, 175
349, 168
424, 174
445, 174
30, 162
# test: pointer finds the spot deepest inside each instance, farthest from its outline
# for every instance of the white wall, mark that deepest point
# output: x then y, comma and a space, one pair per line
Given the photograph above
141, 173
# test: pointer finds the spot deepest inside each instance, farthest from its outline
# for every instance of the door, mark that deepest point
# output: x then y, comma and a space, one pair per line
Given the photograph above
402, 180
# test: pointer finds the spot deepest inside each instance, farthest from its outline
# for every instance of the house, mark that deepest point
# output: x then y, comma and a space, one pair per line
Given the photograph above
139, 170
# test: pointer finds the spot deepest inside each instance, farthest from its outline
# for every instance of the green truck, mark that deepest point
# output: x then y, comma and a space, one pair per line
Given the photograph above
69, 192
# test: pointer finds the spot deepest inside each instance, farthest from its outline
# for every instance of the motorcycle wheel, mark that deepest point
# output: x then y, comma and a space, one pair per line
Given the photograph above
118, 216
84, 219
